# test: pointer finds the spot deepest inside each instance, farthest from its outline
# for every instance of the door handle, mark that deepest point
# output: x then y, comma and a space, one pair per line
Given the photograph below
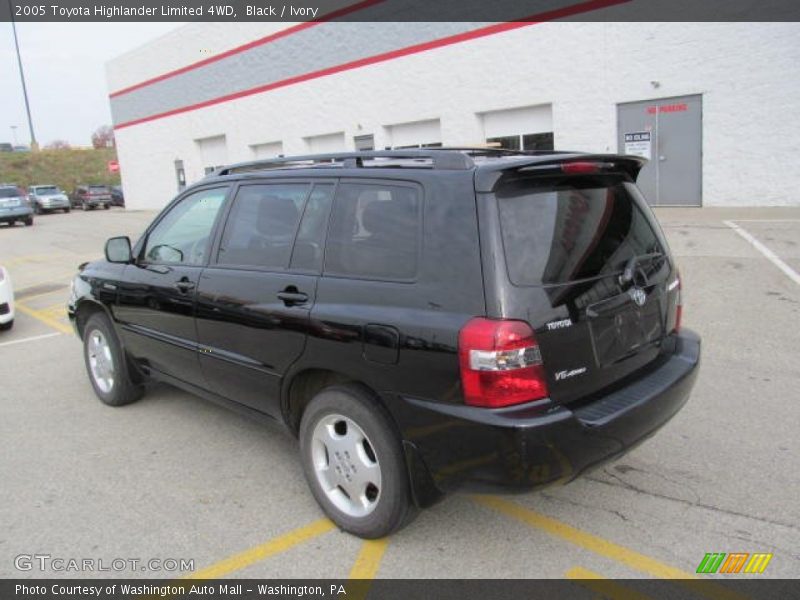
291, 296
184, 286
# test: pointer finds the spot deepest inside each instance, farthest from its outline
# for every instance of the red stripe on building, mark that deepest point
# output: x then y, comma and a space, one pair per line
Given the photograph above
244, 48
560, 13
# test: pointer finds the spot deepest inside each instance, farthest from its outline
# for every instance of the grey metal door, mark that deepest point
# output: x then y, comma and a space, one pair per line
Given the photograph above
669, 132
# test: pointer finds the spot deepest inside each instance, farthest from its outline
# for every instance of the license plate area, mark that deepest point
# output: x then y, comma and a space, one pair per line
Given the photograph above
620, 327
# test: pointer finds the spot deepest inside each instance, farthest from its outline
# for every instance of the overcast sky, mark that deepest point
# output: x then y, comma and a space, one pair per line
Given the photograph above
65, 72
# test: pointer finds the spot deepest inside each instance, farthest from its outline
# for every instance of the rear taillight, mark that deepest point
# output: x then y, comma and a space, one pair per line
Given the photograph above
500, 363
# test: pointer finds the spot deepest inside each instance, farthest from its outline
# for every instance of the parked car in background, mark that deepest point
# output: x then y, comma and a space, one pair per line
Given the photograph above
117, 197
14, 205
423, 321
6, 300
44, 198
89, 197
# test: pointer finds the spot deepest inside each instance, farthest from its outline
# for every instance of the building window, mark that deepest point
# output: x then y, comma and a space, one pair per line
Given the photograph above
525, 141
412, 146
364, 143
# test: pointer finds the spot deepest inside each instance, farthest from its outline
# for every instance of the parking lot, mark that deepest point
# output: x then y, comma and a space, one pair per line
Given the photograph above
175, 477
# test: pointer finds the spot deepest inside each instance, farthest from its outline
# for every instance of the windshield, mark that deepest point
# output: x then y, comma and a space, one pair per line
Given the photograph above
561, 230
9, 192
98, 189
49, 190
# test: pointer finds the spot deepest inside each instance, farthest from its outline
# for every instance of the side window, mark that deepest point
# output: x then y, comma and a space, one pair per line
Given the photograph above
308, 248
184, 234
262, 225
375, 232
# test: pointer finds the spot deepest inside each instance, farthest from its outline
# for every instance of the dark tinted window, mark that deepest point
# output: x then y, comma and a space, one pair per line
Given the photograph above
262, 225
183, 235
374, 231
568, 230
308, 248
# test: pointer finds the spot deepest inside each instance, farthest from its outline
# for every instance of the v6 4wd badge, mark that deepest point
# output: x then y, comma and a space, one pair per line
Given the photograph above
567, 374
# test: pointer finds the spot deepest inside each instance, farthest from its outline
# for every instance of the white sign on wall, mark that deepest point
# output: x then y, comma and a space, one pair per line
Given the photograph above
638, 143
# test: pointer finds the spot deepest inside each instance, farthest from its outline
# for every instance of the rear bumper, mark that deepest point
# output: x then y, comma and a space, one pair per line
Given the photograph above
15, 214
522, 447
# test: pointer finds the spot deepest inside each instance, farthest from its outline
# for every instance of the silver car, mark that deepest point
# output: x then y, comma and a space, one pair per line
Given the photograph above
44, 198
14, 206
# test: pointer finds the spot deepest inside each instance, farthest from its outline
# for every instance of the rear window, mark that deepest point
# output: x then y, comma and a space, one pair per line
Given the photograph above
558, 231
95, 189
9, 192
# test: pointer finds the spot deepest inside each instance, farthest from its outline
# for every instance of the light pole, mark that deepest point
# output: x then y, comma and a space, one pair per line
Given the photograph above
14, 133
34, 145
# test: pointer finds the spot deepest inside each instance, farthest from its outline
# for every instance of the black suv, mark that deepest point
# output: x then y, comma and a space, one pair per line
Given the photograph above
423, 320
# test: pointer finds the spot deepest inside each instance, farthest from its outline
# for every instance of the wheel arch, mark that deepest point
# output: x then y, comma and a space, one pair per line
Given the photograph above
85, 309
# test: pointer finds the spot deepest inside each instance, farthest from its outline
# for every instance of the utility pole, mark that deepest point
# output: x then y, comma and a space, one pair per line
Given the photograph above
34, 145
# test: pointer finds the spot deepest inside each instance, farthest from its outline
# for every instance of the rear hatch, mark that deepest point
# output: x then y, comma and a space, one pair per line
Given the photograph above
591, 272
99, 193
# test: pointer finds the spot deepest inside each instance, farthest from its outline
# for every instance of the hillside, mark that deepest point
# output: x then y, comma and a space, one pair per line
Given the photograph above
64, 168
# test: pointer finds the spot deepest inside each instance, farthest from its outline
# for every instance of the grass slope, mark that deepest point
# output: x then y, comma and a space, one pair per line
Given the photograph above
64, 168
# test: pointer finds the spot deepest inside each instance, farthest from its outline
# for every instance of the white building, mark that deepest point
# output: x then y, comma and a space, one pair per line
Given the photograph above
716, 106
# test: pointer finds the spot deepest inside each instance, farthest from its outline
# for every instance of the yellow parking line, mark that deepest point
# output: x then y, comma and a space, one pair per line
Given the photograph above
63, 290
369, 559
602, 586
258, 553
604, 547
44, 318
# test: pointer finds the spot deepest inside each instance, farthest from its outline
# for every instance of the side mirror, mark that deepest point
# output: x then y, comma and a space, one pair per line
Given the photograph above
118, 250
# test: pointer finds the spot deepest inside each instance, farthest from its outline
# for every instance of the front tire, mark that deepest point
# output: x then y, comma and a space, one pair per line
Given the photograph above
66, 210
7, 326
106, 365
28, 221
354, 463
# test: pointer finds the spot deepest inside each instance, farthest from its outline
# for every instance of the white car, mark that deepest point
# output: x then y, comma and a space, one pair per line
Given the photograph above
6, 300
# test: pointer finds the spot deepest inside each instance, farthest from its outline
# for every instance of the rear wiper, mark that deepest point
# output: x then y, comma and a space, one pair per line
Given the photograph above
630, 267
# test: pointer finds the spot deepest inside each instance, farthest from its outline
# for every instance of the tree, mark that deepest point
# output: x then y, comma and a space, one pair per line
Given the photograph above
58, 145
103, 137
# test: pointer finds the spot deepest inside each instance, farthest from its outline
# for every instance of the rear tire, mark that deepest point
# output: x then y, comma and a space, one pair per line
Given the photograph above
7, 326
106, 206
66, 210
106, 365
28, 221
354, 462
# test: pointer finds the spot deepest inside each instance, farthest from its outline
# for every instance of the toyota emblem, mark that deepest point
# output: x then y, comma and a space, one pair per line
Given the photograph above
638, 296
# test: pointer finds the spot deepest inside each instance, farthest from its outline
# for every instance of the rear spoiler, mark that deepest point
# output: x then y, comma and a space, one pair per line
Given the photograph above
486, 179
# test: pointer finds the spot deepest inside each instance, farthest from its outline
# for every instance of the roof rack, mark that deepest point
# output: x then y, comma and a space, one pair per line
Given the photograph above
445, 159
